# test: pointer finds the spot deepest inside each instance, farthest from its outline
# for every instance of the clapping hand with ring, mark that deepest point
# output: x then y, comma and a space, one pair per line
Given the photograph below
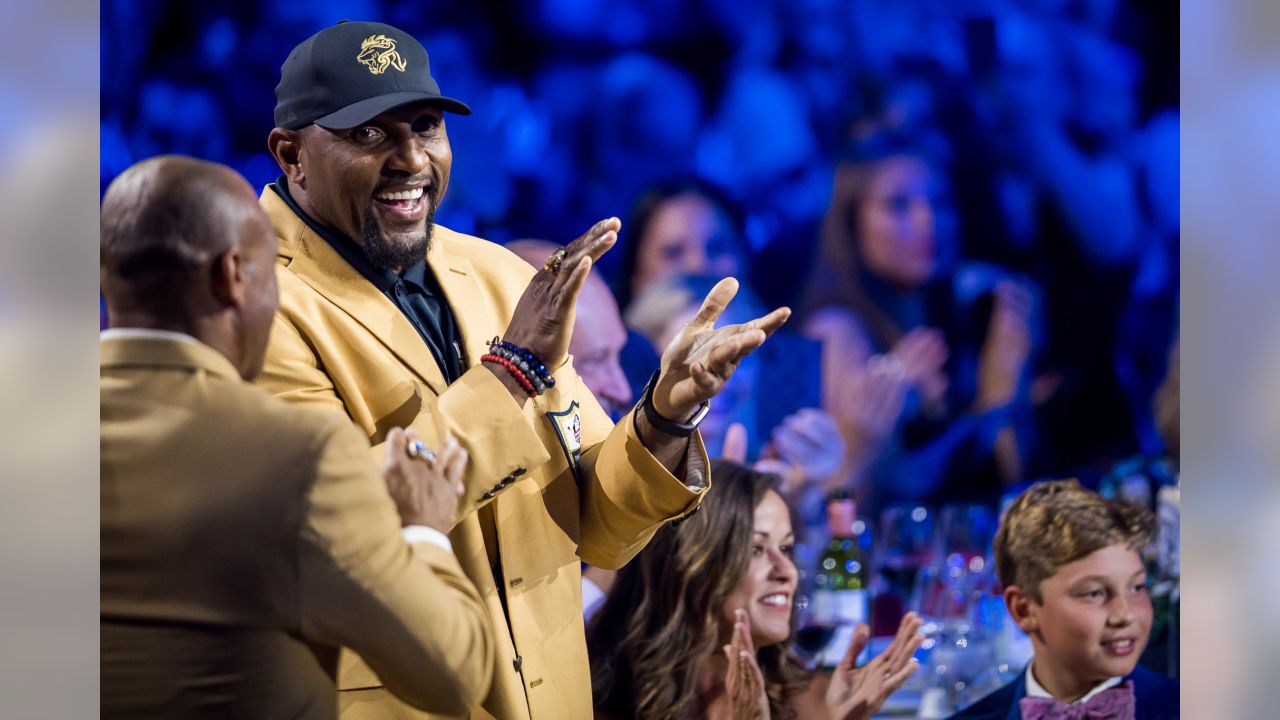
424, 484
543, 319
553, 263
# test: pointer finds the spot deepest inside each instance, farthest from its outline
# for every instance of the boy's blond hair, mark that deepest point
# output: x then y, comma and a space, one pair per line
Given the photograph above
1058, 522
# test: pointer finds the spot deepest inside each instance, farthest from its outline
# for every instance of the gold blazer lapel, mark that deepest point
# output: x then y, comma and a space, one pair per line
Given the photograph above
472, 312
316, 263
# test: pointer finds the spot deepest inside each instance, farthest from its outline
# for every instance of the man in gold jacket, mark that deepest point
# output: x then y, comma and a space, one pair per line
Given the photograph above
243, 539
388, 317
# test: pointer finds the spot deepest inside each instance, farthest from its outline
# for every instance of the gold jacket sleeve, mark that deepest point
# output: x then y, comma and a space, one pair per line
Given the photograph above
410, 613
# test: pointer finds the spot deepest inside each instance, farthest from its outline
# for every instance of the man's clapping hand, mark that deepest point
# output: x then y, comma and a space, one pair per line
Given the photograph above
543, 319
701, 358
425, 493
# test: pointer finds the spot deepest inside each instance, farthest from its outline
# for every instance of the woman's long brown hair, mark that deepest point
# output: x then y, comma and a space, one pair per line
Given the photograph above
661, 620
837, 276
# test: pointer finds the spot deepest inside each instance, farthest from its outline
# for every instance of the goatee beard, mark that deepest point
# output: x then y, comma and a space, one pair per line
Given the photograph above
396, 256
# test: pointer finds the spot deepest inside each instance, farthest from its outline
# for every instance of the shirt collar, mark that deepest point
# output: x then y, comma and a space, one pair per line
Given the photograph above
147, 347
1035, 689
148, 333
416, 274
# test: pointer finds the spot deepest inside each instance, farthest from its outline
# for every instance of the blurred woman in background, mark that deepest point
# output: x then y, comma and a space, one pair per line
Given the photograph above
684, 226
924, 360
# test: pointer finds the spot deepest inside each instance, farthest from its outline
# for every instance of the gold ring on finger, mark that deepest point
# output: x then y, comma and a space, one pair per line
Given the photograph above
553, 262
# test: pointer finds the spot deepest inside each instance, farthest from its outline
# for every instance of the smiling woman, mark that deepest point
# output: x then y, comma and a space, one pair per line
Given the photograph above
698, 624
765, 590
656, 647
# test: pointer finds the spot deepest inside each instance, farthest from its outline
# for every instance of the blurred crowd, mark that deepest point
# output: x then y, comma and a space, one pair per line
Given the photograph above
973, 206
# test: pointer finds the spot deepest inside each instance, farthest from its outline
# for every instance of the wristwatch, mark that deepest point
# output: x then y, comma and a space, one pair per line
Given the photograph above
670, 427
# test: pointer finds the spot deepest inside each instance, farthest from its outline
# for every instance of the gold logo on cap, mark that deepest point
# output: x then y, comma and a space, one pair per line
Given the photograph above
378, 52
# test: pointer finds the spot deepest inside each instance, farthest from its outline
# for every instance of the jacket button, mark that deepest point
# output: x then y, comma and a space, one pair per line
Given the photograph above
518, 472
487, 495
518, 663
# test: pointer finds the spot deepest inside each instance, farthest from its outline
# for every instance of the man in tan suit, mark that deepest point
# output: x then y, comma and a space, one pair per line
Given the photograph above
243, 539
389, 317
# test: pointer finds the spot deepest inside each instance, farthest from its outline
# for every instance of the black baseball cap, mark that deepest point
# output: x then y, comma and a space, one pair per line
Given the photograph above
353, 71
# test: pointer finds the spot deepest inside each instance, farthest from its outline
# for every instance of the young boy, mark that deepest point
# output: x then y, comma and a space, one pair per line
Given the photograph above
1074, 582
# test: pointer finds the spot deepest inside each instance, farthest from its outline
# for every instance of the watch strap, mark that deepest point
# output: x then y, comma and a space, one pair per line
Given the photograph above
670, 427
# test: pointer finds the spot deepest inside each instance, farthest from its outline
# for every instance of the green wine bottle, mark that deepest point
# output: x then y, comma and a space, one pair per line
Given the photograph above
840, 598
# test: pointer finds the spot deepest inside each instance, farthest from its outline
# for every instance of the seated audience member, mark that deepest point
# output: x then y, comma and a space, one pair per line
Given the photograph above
698, 624
683, 227
1074, 581
815, 431
244, 541
924, 361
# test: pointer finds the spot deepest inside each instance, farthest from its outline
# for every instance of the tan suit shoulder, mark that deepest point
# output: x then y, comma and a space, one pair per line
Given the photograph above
225, 506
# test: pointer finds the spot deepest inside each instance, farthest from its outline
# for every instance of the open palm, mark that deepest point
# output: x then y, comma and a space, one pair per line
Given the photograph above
701, 357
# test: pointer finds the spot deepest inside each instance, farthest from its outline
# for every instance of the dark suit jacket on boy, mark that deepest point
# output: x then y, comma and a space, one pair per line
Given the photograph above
1156, 698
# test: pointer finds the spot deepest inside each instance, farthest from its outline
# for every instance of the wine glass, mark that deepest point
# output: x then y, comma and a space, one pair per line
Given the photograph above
902, 547
956, 594
968, 529
810, 637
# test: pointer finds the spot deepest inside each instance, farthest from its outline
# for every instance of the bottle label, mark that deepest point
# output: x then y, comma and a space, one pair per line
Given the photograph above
840, 607
843, 610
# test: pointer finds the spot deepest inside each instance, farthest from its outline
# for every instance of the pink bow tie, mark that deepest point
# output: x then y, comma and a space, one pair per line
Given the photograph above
1113, 704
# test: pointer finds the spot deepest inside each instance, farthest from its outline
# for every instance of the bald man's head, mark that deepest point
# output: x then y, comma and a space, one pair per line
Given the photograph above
163, 221
186, 247
598, 333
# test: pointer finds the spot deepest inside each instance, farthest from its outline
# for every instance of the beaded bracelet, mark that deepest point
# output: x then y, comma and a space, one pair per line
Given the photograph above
534, 366
531, 368
526, 360
515, 372
523, 364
